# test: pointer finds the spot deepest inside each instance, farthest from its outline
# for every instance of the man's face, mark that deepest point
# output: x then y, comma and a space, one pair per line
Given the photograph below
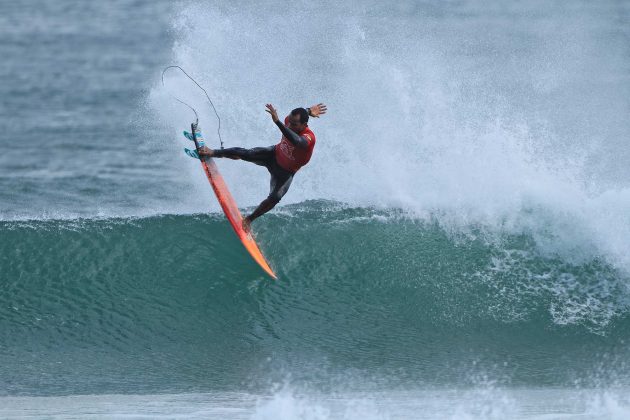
295, 125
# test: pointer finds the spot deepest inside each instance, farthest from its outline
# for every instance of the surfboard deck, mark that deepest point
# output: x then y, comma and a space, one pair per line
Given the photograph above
230, 208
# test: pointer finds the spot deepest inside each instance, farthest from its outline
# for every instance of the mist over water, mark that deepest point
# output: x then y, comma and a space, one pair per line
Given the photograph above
512, 117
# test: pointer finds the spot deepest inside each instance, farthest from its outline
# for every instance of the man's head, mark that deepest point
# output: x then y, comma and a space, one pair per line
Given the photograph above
298, 120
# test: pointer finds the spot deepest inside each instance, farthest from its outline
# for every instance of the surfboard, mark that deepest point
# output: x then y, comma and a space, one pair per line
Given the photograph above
230, 208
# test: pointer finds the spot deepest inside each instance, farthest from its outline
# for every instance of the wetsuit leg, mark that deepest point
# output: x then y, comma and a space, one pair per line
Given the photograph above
280, 182
263, 156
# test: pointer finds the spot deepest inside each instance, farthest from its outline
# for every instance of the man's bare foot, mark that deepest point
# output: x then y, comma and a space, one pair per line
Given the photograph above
246, 224
204, 151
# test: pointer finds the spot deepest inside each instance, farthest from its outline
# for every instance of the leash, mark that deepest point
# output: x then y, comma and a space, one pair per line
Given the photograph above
196, 123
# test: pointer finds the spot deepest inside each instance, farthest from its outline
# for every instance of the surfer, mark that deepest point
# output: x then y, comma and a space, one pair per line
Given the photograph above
282, 160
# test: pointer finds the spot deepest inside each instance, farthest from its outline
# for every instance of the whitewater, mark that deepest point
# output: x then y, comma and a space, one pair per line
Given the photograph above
456, 248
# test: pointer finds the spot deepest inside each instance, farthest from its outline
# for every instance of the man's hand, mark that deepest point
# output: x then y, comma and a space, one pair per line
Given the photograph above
273, 112
317, 110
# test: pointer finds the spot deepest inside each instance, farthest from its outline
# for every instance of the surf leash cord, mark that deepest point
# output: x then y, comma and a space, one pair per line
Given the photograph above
187, 105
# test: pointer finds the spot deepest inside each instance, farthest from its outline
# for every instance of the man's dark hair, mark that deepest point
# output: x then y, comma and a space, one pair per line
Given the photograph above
303, 113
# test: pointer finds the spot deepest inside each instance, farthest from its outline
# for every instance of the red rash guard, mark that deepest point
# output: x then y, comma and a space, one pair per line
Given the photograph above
291, 157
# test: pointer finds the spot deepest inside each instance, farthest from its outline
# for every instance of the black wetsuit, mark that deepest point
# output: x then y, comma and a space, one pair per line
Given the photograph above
266, 156
263, 156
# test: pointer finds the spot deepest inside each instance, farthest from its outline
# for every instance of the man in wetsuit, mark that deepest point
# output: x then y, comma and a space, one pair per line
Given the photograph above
282, 160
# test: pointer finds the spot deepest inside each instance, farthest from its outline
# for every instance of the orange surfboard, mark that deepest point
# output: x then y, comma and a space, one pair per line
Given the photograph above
228, 204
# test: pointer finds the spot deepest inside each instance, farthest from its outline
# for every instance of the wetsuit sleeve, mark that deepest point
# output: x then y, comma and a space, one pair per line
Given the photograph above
296, 140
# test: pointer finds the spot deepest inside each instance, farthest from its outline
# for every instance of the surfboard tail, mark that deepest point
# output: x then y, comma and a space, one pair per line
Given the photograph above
230, 208
228, 204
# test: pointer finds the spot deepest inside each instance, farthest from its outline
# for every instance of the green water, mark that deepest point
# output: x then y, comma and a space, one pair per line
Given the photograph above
174, 304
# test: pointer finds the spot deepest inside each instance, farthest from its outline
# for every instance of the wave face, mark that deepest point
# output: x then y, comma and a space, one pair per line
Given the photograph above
173, 303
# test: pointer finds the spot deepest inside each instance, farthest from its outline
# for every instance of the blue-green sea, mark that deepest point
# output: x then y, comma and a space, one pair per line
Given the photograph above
456, 248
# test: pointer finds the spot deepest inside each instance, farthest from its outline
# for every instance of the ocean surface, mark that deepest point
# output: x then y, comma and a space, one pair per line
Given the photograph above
457, 247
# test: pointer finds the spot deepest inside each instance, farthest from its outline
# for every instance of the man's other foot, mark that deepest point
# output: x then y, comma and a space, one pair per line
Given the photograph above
247, 224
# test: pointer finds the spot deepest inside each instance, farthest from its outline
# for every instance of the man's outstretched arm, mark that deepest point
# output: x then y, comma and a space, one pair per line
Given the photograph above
299, 141
295, 139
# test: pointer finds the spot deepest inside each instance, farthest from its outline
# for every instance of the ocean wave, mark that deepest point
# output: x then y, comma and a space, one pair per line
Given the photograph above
369, 289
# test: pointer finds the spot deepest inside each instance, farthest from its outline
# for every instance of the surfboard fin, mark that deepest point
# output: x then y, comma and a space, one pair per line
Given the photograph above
188, 136
192, 153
